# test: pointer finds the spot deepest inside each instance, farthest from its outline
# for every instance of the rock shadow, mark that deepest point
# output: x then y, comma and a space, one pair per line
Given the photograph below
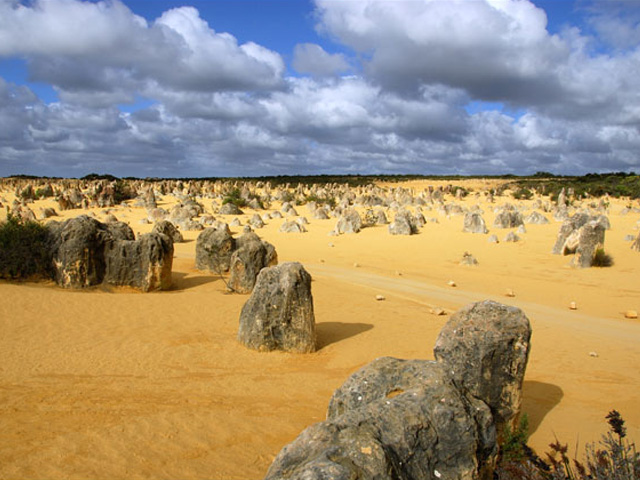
184, 281
333, 332
538, 399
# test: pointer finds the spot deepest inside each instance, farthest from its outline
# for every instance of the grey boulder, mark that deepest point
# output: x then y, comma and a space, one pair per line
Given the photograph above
279, 313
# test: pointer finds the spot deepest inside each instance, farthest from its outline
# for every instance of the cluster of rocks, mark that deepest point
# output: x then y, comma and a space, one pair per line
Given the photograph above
583, 236
85, 252
422, 419
218, 251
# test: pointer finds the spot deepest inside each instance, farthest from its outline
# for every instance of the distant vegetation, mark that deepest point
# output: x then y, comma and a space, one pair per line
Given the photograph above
615, 184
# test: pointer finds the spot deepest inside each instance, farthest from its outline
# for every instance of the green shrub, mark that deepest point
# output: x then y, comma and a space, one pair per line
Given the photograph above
614, 458
513, 447
234, 196
23, 249
602, 259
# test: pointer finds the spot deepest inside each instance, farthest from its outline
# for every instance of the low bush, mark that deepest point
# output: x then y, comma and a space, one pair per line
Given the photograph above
23, 249
614, 458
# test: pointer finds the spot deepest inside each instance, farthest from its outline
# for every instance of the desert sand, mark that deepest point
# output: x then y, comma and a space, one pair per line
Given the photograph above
110, 383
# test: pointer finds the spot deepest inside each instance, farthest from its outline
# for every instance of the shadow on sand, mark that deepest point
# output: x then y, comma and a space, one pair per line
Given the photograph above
184, 281
333, 332
538, 399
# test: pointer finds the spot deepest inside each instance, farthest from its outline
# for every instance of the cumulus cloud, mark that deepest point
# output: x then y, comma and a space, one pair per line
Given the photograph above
312, 59
83, 47
218, 107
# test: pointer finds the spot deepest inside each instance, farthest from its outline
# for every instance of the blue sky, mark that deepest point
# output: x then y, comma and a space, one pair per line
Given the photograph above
261, 87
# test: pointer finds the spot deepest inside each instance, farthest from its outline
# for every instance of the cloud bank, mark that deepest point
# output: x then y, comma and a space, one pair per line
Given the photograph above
423, 86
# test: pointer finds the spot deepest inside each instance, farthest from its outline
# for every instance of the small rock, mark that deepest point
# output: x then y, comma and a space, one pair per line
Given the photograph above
331, 244
573, 306
398, 273
451, 283
380, 298
437, 311
631, 314
356, 264
593, 354
509, 293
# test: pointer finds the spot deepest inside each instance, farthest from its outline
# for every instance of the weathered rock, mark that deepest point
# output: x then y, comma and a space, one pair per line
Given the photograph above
394, 419
511, 237
251, 256
566, 229
256, 221
536, 218
144, 263
349, 222
167, 228
321, 214
381, 218
292, 227
214, 248
230, 209
279, 314
474, 223
590, 239
78, 251
120, 231
468, 259
484, 347
47, 213
403, 224
508, 219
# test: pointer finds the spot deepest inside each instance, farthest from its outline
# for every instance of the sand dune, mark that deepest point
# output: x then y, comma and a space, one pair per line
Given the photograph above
111, 383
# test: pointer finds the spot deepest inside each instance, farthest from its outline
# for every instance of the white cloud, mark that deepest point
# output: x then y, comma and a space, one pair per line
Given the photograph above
219, 107
312, 59
82, 48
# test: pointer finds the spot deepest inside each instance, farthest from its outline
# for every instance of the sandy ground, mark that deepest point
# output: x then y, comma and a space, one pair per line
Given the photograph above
114, 384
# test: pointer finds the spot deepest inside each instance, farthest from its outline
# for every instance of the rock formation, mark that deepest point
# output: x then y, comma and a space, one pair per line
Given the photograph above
144, 264
403, 224
214, 248
279, 313
251, 256
349, 222
169, 229
418, 419
474, 223
86, 252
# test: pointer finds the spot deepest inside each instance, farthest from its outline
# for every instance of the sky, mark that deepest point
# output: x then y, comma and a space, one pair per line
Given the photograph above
218, 88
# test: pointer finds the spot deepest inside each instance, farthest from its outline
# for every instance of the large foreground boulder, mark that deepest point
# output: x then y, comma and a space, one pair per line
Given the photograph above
279, 313
144, 264
416, 419
251, 255
484, 347
426, 431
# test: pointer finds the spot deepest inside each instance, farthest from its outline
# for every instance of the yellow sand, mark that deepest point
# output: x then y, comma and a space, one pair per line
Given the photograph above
114, 384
